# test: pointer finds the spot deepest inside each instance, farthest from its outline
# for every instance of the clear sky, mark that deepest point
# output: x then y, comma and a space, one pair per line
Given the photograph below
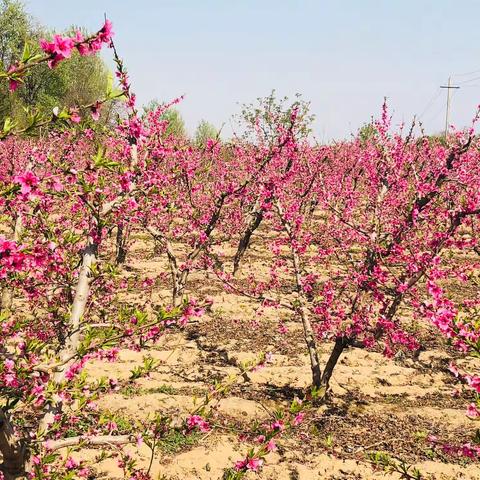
342, 55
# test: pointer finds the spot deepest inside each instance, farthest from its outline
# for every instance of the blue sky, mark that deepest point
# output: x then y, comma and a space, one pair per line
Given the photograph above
342, 55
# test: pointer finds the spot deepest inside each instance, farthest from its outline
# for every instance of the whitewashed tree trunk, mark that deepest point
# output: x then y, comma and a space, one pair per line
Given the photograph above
82, 291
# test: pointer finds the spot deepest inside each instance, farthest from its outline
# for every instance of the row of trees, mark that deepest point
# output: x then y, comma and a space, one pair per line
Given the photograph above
176, 125
365, 240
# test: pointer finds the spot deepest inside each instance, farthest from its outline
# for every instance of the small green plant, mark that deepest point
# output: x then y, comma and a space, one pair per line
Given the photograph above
392, 464
149, 364
129, 390
167, 389
328, 442
176, 440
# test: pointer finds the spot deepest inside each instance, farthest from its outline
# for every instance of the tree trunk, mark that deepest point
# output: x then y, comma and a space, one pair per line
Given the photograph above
256, 217
176, 291
180, 280
82, 292
121, 245
6, 300
308, 332
311, 346
13, 450
340, 345
80, 300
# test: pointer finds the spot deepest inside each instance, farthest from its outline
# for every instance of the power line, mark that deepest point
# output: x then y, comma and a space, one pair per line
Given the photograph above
429, 104
468, 81
466, 74
447, 113
433, 115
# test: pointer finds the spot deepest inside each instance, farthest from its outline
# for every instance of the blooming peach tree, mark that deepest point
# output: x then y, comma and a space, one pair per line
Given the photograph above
364, 240
61, 302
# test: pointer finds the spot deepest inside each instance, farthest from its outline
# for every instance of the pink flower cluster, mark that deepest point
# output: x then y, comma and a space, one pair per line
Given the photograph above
253, 464
28, 182
197, 422
466, 450
61, 47
12, 258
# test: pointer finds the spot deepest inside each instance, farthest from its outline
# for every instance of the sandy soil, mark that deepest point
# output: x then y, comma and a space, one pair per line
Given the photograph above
377, 404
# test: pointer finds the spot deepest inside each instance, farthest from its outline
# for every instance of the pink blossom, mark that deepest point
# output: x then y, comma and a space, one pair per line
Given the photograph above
71, 463
11, 380
197, 421
28, 182
271, 446
473, 382
298, 418
106, 33
74, 116
282, 328
13, 84
473, 411
241, 464
79, 36
254, 464
278, 425
454, 370
95, 112
63, 46
56, 185
9, 365
111, 426
84, 49
468, 451
60, 48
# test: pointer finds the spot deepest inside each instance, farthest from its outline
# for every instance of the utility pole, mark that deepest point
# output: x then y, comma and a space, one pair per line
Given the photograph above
447, 113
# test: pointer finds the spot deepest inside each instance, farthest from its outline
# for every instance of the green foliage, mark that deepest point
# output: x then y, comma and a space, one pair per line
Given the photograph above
329, 441
204, 132
176, 124
367, 132
176, 440
232, 474
260, 121
80, 81
390, 464
166, 389
149, 365
15, 26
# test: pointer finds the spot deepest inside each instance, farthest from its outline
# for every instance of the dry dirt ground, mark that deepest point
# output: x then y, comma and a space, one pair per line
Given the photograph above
377, 404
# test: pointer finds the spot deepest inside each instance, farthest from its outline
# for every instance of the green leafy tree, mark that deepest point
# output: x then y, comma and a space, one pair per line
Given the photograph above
176, 124
15, 26
205, 131
367, 132
260, 120
80, 81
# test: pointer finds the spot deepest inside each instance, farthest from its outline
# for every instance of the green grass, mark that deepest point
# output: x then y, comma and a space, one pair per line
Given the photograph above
176, 441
